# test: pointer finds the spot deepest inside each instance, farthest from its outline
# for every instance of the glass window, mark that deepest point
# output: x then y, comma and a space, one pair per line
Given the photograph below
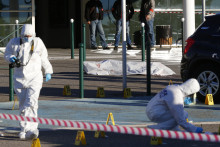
8, 32
210, 4
10, 11
10, 17
164, 18
209, 27
9, 5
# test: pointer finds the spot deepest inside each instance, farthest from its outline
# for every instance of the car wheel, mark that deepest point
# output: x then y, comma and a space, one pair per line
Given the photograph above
209, 79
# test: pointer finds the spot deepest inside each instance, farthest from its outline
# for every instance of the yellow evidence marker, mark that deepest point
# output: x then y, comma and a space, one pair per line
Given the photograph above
156, 140
15, 100
127, 92
80, 138
102, 133
66, 90
100, 92
209, 99
36, 143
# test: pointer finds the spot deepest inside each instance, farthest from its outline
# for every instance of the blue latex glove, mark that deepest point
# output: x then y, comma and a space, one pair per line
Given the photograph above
48, 77
199, 130
12, 59
187, 101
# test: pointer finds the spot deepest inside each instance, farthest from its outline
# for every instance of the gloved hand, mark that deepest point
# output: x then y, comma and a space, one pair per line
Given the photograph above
199, 130
187, 101
12, 59
48, 77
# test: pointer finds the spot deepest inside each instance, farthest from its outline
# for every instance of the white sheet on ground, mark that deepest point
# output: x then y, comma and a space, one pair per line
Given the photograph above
128, 52
114, 67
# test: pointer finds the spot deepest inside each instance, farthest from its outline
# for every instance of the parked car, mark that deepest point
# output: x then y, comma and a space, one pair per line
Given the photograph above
201, 58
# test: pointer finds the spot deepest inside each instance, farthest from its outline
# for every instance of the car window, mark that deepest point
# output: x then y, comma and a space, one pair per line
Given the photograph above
209, 28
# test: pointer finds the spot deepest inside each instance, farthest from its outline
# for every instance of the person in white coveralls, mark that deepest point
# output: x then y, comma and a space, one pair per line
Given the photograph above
167, 107
28, 54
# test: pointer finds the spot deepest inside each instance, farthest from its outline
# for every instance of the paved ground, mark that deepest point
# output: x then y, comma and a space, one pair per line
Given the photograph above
66, 73
65, 138
130, 111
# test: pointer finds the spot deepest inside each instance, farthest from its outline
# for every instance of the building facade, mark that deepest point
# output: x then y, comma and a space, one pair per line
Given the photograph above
51, 19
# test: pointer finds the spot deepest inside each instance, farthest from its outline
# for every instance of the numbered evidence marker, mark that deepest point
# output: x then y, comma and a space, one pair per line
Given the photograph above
36, 143
66, 90
100, 92
99, 134
156, 140
102, 133
171, 82
80, 138
15, 100
209, 99
127, 92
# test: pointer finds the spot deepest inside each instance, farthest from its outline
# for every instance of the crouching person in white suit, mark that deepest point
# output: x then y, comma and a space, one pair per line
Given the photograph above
28, 55
167, 107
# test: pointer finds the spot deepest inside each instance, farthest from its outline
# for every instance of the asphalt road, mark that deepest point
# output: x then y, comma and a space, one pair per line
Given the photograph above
66, 138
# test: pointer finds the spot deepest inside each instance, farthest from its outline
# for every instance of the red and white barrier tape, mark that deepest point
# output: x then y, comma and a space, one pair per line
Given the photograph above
116, 129
176, 12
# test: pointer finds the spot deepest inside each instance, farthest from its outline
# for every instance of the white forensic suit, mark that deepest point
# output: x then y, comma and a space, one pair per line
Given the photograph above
28, 78
167, 107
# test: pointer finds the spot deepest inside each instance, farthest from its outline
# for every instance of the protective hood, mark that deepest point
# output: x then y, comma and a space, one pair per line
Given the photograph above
189, 87
27, 29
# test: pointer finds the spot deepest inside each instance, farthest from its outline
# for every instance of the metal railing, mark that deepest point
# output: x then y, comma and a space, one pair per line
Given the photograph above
15, 32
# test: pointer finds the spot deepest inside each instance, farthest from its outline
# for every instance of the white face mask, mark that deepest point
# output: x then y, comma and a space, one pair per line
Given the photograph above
27, 39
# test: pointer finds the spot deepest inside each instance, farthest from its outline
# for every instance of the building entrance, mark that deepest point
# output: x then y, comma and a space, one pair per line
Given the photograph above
53, 21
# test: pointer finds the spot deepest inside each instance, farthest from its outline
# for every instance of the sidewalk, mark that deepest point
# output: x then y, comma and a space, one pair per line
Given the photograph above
129, 112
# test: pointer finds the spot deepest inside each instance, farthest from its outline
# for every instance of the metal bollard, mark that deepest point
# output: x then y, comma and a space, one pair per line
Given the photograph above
183, 44
81, 82
72, 37
148, 61
16, 29
11, 84
84, 42
143, 41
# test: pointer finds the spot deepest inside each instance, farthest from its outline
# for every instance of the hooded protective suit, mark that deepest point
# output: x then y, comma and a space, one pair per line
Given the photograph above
167, 107
28, 78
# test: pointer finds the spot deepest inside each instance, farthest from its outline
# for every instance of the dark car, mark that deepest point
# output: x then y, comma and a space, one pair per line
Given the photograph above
201, 58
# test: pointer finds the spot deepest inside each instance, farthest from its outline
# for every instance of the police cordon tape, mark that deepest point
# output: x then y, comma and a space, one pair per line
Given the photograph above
116, 129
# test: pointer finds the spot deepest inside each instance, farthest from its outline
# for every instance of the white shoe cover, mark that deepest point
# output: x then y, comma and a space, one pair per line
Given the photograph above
32, 134
22, 135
